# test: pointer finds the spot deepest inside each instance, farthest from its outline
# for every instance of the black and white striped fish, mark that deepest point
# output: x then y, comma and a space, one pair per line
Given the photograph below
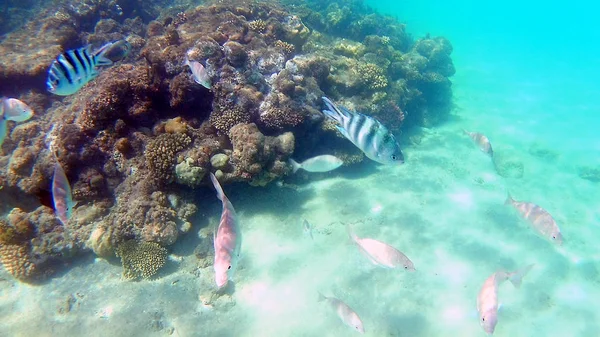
71, 70
367, 133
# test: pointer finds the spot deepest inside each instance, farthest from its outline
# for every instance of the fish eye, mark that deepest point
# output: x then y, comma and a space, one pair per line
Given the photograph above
405, 267
229, 267
483, 319
394, 157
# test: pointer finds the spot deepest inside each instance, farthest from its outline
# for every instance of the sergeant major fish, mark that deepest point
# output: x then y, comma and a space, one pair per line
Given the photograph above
199, 73
482, 142
487, 299
539, 219
380, 253
227, 239
61, 195
366, 133
324, 163
12, 109
73, 69
344, 312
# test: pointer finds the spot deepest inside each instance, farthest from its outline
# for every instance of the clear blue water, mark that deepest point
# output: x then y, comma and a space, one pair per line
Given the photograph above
526, 76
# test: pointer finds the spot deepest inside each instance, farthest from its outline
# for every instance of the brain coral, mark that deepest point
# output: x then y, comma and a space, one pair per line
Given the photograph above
141, 259
17, 261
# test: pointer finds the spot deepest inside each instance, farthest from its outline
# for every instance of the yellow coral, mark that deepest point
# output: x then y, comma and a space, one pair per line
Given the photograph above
373, 76
287, 48
258, 25
224, 119
17, 261
141, 259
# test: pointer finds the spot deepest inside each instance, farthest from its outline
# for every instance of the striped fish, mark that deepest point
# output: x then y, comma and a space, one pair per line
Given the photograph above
61, 195
227, 239
482, 142
539, 219
73, 69
366, 133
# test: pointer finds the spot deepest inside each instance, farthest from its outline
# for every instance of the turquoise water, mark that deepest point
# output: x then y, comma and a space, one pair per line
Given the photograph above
527, 78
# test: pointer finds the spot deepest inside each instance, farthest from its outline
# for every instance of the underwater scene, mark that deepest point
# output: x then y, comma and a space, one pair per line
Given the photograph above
299, 168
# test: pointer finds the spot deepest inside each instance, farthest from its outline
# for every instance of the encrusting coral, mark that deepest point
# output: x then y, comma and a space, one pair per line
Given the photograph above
141, 259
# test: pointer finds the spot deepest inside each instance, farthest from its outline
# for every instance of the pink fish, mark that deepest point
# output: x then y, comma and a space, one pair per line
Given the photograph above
380, 253
227, 239
487, 299
61, 195
482, 141
539, 219
344, 312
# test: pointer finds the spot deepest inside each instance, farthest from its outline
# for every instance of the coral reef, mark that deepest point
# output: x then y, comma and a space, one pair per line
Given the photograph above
137, 140
141, 259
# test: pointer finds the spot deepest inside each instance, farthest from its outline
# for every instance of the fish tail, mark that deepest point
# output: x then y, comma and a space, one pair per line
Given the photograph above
517, 277
351, 233
295, 165
466, 132
220, 193
333, 112
3, 130
321, 297
509, 199
101, 59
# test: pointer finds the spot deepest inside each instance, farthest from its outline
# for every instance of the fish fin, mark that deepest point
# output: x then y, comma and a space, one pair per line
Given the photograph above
321, 297
217, 185
342, 131
332, 111
101, 59
466, 132
3, 130
517, 277
295, 165
509, 199
351, 233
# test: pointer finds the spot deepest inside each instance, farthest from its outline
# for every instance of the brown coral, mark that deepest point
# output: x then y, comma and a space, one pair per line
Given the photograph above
141, 259
161, 154
17, 261
258, 25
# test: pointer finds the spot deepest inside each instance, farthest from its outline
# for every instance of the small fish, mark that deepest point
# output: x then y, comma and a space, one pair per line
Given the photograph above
227, 239
61, 195
307, 228
482, 142
73, 69
12, 109
324, 163
539, 219
344, 312
366, 133
487, 299
380, 253
199, 73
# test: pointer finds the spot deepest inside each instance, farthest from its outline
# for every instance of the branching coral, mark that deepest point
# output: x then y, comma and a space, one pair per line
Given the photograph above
225, 118
141, 259
373, 76
161, 154
258, 25
287, 48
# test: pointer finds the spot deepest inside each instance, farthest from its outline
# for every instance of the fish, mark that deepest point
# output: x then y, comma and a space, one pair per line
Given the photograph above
487, 299
366, 133
324, 163
73, 69
481, 141
199, 73
61, 195
12, 109
227, 239
380, 253
344, 312
307, 228
538, 218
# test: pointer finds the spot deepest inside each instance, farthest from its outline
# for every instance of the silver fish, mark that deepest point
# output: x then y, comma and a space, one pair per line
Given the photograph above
199, 73
61, 195
73, 69
12, 109
539, 219
487, 299
380, 253
324, 163
344, 312
227, 239
482, 142
307, 228
366, 133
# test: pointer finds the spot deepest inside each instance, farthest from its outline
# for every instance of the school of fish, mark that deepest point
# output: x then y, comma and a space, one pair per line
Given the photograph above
73, 69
